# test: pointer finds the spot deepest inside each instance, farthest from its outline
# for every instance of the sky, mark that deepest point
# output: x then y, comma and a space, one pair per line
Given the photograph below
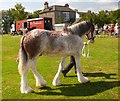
81, 5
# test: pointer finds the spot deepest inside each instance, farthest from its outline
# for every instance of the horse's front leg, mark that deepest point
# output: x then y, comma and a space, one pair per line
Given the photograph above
56, 80
81, 78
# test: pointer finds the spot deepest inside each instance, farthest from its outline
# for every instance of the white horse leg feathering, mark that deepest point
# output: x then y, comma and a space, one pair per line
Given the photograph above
81, 78
56, 80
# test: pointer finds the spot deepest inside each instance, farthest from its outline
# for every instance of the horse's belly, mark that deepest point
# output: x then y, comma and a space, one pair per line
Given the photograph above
60, 52
55, 52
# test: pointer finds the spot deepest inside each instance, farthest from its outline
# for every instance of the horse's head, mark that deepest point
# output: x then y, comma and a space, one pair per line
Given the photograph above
83, 28
90, 34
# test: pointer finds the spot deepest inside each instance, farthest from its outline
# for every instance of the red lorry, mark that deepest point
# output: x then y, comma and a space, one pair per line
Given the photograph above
29, 24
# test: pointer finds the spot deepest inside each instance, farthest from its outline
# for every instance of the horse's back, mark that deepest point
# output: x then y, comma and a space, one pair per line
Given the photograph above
39, 42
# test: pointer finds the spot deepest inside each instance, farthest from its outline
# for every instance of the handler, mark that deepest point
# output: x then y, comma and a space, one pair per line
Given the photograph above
69, 66
72, 59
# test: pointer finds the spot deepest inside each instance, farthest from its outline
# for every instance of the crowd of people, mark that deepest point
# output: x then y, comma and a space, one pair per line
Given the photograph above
108, 29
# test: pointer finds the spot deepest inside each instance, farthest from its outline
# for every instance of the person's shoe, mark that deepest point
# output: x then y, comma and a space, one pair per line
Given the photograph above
76, 72
64, 74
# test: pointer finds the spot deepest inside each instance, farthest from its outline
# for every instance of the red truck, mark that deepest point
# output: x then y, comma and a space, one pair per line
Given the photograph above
29, 24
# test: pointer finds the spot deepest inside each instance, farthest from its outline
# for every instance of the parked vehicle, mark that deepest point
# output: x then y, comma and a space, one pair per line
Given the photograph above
29, 24
59, 27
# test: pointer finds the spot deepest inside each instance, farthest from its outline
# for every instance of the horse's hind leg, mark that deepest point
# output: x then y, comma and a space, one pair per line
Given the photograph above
56, 80
39, 79
81, 78
23, 71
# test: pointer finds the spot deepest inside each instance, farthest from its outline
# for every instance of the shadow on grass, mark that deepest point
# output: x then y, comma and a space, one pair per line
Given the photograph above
97, 74
87, 89
100, 74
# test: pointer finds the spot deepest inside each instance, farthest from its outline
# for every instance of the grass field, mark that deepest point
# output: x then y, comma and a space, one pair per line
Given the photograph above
101, 68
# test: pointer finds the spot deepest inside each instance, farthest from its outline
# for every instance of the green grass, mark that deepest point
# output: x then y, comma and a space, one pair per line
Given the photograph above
101, 68
0, 67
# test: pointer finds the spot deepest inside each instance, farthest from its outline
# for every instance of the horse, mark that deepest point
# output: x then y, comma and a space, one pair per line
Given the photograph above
39, 42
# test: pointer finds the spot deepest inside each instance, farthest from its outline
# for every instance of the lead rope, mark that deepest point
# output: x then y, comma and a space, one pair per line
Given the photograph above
84, 53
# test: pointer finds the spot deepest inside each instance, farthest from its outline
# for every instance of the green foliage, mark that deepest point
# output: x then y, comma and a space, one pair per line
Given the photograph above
59, 20
35, 14
13, 14
8, 19
18, 12
103, 17
101, 68
114, 15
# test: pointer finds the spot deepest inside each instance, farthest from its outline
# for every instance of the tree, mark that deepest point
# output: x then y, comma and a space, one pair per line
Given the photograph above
18, 12
114, 16
36, 14
7, 20
86, 16
0, 21
13, 14
103, 17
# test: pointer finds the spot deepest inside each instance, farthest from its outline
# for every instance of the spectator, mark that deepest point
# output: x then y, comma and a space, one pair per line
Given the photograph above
107, 30
100, 31
119, 30
112, 29
69, 66
96, 29
26, 29
104, 28
116, 29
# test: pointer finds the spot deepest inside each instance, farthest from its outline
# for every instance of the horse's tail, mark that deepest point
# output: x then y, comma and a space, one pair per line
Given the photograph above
23, 58
22, 55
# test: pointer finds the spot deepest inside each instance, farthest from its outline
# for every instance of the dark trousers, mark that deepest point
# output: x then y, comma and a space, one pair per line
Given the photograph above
70, 65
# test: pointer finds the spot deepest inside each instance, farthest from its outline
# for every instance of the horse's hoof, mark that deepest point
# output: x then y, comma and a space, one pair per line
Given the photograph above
41, 84
84, 80
56, 83
27, 91
30, 91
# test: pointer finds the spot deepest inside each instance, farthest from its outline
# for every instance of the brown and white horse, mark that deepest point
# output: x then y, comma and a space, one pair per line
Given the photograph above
38, 42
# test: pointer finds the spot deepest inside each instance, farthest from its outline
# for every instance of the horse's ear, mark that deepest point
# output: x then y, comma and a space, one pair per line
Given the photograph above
76, 21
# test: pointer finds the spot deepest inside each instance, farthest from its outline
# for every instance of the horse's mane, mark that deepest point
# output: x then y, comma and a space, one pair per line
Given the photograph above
80, 27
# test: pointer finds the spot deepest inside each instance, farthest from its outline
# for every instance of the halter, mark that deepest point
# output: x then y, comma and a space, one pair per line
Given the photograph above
89, 32
84, 53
